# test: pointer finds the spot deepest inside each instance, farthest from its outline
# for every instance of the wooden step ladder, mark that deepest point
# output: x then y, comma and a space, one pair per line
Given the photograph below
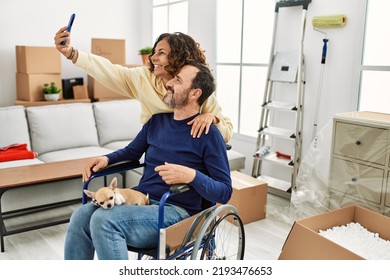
279, 142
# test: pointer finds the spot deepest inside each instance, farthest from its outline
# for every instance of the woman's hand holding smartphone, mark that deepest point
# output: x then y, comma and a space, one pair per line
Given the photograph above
70, 24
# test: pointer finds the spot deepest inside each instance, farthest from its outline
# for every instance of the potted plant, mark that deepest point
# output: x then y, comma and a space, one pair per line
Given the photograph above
51, 91
145, 52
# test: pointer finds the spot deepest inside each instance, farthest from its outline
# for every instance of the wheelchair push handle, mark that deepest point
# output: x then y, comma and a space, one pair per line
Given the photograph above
175, 189
118, 167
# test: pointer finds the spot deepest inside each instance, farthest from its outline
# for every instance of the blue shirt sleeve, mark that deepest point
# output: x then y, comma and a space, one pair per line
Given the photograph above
217, 186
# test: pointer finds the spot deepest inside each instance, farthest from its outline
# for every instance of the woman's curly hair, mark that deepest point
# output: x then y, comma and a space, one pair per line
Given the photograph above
183, 48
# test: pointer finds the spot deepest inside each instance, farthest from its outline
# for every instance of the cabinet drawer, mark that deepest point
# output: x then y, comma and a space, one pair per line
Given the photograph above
338, 200
387, 198
361, 142
357, 180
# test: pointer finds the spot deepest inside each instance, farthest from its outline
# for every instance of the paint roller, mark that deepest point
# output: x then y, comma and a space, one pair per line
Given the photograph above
329, 21
323, 22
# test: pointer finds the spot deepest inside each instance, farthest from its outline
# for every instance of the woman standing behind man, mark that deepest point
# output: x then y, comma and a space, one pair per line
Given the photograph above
148, 84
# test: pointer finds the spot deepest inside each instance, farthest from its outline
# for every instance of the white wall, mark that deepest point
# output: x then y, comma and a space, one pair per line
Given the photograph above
342, 69
34, 23
202, 26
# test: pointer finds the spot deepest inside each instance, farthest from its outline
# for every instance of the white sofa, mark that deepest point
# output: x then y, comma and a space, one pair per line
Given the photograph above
71, 131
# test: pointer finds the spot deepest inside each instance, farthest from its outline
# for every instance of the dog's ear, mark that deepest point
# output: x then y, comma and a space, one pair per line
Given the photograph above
147, 199
89, 194
114, 183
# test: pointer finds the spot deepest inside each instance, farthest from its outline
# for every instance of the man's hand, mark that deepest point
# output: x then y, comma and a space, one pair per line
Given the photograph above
94, 165
175, 174
202, 123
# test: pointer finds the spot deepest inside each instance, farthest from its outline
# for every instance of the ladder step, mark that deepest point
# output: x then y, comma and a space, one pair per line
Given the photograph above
278, 132
272, 158
284, 67
276, 185
292, 3
277, 105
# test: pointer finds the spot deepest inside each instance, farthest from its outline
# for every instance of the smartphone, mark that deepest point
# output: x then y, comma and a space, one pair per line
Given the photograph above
70, 24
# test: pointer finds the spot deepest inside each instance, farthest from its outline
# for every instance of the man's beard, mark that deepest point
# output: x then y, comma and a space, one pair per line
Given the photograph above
177, 103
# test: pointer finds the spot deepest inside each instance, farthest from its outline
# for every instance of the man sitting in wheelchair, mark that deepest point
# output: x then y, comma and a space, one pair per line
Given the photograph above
172, 156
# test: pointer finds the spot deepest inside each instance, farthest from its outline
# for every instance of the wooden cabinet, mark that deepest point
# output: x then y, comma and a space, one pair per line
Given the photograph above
387, 199
360, 161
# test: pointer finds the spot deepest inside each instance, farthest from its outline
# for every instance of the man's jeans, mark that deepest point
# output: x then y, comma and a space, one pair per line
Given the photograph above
108, 231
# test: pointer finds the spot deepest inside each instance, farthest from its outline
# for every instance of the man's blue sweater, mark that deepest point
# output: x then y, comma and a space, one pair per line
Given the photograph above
164, 139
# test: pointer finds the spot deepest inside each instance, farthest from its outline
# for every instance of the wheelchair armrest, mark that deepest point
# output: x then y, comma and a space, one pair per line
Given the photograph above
118, 167
175, 189
110, 169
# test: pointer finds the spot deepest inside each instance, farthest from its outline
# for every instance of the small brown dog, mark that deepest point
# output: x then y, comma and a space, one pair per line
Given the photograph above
107, 197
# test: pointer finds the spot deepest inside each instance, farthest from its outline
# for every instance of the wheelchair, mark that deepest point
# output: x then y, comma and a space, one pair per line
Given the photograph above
216, 233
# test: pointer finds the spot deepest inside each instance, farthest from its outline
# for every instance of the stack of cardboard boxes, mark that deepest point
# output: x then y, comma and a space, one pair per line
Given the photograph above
36, 66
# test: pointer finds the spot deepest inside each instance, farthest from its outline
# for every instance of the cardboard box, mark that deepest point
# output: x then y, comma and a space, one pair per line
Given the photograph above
305, 243
98, 91
176, 233
37, 60
29, 86
67, 87
80, 92
112, 49
249, 197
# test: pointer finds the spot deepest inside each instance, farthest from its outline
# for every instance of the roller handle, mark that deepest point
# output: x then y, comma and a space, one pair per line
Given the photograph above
281, 155
324, 49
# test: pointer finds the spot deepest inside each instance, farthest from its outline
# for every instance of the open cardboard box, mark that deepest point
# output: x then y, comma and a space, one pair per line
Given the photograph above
249, 197
305, 243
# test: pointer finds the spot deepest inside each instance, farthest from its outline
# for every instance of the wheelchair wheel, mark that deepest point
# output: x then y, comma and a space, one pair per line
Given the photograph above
226, 240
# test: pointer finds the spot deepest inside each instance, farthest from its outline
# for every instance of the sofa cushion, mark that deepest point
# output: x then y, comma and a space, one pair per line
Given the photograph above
236, 160
21, 162
117, 145
117, 120
74, 153
13, 126
59, 127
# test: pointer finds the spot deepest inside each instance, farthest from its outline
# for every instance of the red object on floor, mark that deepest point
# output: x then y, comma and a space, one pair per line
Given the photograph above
281, 155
